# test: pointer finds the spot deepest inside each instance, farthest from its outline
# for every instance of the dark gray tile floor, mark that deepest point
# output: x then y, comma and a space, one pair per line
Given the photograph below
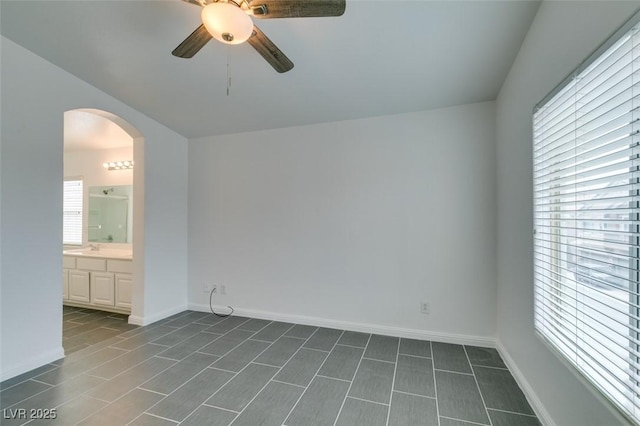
198, 369
82, 328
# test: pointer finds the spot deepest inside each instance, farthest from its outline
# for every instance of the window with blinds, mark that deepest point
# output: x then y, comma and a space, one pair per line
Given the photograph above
72, 212
586, 153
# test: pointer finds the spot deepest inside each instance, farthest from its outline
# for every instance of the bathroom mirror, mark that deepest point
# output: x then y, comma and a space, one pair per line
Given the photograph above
110, 212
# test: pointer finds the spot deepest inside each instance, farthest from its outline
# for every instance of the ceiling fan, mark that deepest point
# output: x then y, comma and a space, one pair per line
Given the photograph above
229, 22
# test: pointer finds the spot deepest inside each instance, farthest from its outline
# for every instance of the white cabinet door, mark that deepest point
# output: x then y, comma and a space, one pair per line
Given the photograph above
65, 284
79, 286
124, 284
102, 292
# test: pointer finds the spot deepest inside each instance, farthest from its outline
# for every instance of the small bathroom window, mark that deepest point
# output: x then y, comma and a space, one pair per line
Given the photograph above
72, 211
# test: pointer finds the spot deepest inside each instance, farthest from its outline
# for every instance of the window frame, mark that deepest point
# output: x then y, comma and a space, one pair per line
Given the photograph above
634, 283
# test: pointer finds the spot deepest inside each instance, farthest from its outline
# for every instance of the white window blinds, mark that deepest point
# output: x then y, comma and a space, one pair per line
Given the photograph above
72, 212
586, 157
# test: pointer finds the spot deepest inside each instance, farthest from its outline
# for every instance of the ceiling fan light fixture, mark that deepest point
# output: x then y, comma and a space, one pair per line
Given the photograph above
227, 22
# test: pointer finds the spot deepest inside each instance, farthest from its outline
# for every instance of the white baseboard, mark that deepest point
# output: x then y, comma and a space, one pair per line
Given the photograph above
408, 333
532, 397
150, 319
32, 363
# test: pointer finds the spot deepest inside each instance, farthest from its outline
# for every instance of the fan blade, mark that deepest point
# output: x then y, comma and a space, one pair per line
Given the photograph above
192, 44
269, 51
267, 9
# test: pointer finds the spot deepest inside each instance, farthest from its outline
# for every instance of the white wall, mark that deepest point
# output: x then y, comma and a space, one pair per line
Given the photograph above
562, 35
352, 223
35, 95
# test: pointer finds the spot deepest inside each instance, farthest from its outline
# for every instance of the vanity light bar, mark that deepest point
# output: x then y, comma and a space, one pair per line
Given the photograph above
118, 165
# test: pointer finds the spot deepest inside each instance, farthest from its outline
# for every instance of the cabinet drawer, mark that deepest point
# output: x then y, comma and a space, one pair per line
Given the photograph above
125, 266
69, 262
91, 264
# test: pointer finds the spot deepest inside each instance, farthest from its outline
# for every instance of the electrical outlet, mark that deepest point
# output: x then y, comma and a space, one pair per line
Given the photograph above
223, 289
208, 288
424, 307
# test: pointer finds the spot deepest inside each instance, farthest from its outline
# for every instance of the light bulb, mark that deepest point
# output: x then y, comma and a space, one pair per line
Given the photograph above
227, 22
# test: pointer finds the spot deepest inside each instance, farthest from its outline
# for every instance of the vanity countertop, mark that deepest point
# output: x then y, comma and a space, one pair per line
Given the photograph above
102, 253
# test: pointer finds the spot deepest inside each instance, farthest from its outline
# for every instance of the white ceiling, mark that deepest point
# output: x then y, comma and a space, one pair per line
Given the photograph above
379, 58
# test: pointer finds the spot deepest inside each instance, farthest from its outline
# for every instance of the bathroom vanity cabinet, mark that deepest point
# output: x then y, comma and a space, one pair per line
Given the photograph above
97, 282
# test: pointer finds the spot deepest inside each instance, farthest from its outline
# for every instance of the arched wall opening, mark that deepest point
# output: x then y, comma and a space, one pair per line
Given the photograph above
98, 135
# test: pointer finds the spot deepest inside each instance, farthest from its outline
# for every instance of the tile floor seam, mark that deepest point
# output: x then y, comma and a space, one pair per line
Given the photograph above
334, 378
211, 367
489, 366
290, 384
467, 421
215, 406
255, 331
435, 382
414, 356
167, 358
368, 400
317, 350
259, 340
149, 390
213, 332
393, 382
93, 397
153, 415
265, 364
39, 381
95, 377
475, 379
364, 351
349, 346
512, 412
414, 394
452, 372
293, 337
374, 359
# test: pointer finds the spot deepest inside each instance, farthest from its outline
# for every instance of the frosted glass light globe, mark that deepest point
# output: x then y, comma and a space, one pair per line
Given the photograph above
227, 22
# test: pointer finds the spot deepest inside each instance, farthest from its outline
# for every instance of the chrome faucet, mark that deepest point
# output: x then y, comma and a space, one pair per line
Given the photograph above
94, 247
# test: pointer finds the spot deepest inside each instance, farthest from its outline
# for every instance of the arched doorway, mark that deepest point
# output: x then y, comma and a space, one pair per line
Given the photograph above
94, 138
